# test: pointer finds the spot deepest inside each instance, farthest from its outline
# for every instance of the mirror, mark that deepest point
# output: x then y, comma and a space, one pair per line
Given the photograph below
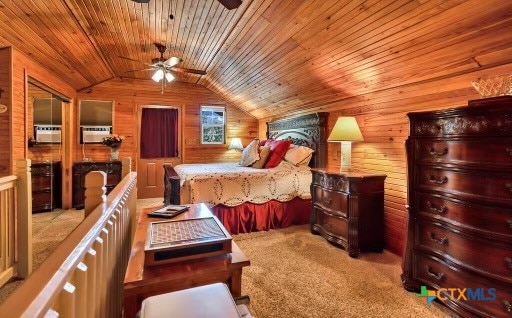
44, 127
95, 120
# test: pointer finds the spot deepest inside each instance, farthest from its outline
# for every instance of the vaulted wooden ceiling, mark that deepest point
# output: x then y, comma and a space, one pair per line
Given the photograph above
269, 57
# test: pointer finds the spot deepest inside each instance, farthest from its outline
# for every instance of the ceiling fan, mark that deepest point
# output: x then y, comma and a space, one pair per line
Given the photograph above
229, 4
163, 68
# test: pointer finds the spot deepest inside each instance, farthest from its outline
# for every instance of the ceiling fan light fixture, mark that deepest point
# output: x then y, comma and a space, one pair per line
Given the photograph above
169, 76
158, 76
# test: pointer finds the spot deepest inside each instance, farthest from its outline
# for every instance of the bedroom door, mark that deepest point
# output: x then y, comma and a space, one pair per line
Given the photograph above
159, 143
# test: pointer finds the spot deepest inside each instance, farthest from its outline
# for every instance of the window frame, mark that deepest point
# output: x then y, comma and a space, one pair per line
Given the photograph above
213, 108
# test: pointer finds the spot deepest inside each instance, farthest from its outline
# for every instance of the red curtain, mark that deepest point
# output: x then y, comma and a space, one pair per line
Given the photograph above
159, 133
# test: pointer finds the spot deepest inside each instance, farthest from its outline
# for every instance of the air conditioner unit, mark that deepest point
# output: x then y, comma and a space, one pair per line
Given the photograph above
48, 134
94, 134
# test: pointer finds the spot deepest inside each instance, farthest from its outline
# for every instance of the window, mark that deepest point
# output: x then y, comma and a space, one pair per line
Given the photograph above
213, 123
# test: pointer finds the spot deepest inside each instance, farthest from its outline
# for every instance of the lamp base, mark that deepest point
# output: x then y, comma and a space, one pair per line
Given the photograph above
346, 156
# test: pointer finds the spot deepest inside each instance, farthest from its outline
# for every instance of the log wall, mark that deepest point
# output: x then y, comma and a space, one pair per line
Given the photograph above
129, 95
382, 119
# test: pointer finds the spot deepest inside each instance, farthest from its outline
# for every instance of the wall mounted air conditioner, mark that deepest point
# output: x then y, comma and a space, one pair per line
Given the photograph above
48, 134
94, 134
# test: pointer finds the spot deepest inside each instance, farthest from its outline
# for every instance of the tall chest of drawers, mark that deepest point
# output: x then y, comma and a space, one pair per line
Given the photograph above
460, 206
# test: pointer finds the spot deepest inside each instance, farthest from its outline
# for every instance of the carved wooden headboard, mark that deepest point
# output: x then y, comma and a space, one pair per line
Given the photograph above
307, 130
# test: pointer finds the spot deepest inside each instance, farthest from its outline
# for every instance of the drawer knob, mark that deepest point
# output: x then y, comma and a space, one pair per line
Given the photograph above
440, 240
441, 180
509, 150
509, 224
328, 201
507, 305
431, 273
508, 262
434, 152
508, 187
442, 209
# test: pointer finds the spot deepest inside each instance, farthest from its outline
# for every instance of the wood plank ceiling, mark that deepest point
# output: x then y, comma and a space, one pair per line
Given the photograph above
269, 57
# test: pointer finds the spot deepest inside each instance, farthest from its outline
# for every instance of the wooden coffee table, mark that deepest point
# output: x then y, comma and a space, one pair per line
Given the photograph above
141, 282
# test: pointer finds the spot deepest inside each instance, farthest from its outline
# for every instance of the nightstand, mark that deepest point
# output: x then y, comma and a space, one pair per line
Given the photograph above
348, 209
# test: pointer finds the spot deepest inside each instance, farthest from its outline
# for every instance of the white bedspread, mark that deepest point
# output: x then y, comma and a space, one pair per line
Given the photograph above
230, 184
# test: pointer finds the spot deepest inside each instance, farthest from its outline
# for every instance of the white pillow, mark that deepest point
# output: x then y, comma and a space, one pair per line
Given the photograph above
250, 154
298, 155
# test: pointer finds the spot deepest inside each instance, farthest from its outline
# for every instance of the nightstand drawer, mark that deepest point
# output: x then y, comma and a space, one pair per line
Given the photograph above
331, 223
334, 202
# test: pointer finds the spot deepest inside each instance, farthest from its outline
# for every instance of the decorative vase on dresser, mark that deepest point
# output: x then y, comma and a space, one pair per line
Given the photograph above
348, 209
460, 207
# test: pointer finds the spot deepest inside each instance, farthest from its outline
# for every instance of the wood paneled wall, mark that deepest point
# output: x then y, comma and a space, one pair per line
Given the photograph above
129, 94
5, 118
22, 68
382, 118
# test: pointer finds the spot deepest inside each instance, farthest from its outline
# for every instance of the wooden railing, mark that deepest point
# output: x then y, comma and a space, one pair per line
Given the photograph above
16, 224
83, 277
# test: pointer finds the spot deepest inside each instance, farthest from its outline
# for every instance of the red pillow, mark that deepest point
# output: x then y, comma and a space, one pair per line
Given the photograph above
278, 149
262, 142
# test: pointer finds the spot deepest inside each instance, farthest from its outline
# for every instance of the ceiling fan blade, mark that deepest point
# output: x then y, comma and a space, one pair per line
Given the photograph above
231, 4
130, 59
187, 70
173, 60
142, 69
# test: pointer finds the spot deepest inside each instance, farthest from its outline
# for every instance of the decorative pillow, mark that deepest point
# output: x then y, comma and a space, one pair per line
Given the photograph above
264, 152
262, 142
298, 155
278, 149
250, 154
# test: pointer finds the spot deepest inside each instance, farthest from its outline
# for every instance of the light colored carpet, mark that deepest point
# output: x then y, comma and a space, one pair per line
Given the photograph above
294, 273
48, 230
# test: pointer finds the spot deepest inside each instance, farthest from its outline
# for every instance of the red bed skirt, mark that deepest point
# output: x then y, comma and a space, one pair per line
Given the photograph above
251, 217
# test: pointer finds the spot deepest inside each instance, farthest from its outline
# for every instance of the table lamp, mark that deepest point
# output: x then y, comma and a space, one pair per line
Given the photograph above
345, 131
236, 144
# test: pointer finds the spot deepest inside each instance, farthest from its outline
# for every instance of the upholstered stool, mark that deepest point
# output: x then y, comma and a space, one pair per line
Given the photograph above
212, 301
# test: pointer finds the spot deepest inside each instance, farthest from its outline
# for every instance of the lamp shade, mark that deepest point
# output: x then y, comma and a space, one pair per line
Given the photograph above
158, 76
169, 76
236, 144
346, 129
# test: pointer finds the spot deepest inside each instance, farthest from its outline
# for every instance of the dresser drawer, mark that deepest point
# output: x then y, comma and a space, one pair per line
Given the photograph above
484, 256
476, 152
438, 274
42, 182
332, 201
331, 182
482, 219
42, 198
485, 123
333, 224
483, 185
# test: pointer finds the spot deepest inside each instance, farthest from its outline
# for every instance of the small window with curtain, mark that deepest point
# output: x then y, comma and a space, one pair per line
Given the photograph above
213, 125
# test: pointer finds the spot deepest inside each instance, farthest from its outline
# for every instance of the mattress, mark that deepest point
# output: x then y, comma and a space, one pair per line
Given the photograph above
229, 184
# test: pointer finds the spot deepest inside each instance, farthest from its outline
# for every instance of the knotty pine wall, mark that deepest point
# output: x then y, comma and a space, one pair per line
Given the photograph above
382, 118
23, 67
5, 118
130, 94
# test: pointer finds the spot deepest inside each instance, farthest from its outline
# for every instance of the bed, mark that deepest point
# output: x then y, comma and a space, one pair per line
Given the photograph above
247, 199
